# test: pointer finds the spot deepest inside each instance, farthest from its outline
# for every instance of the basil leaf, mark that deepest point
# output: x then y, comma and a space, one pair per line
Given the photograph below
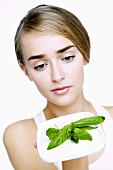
68, 130
75, 140
58, 140
75, 131
81, 134
94, 120
88, 127
52, 133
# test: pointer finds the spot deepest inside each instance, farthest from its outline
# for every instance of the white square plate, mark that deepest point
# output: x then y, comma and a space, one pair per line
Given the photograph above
68, 150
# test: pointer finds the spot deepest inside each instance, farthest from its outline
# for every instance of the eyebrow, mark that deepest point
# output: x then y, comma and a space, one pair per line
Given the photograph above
43, 55
36, 57
64, 49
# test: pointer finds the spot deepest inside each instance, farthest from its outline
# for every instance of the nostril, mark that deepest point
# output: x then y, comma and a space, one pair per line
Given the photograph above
57, 73
57, 78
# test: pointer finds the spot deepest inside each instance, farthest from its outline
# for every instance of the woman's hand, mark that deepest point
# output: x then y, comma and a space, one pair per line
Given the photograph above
35, 143
76, 164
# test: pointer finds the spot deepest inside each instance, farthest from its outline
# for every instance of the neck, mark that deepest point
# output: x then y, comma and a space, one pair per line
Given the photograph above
53, 111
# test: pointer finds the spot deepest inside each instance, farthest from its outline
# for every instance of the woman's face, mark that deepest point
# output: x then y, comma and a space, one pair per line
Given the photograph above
55, 65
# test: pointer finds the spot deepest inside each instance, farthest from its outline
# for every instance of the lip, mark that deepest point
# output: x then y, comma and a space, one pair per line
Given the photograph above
61, 90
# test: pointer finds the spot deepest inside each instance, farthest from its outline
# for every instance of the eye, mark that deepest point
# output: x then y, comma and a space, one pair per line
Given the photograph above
68, 58
40, 67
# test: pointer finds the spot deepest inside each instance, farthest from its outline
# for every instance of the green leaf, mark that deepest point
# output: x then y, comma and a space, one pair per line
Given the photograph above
75, 131
52, 133
68, 130
88, 127
75, 140
58, 141
81, 134
94, 120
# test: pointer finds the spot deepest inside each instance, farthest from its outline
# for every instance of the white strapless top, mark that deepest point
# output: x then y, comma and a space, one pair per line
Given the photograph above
105, 161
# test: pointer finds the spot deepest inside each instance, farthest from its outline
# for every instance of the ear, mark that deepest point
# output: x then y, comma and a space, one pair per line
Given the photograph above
85, 61
24, 69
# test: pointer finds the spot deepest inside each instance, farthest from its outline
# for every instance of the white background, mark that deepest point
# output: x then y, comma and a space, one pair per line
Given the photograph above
19, 98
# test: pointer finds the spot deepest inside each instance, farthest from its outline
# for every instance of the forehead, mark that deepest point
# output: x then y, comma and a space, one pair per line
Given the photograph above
42, 42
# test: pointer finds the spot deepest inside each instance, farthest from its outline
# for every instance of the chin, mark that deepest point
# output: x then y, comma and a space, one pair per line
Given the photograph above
63, 103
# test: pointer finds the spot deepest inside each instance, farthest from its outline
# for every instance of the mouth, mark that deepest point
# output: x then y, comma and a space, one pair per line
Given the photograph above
61, 90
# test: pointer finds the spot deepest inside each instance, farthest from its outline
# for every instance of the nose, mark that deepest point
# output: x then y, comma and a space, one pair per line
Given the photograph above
57, 73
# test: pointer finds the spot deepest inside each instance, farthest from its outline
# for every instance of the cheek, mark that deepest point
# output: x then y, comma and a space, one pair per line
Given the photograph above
42, 84
78, 81
77, 73
41, 87
41, 80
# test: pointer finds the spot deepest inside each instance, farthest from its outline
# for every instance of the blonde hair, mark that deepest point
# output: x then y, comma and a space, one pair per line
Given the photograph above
46, 18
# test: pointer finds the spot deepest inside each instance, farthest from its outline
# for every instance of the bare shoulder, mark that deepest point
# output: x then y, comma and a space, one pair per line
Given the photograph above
18, 140
20, 131
110, 110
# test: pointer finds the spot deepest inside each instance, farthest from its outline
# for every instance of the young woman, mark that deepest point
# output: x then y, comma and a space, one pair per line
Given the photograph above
52, 47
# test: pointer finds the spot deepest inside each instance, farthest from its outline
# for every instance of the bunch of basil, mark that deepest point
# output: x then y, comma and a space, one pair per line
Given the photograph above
75, 131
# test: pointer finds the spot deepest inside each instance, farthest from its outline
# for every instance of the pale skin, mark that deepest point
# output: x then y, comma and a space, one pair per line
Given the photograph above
53, 59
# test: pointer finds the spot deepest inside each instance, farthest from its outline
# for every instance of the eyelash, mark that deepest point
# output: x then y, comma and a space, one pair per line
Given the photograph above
41, 65
69, 59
